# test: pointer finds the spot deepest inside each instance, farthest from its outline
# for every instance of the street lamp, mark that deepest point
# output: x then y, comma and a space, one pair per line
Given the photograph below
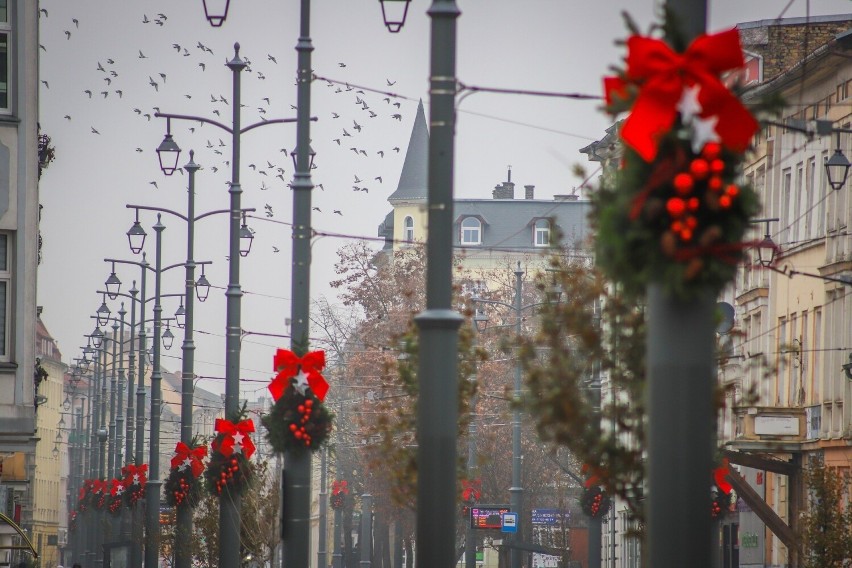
202, 287
136, 236
246, 237
168, 337
837, 167
103, 313
394, 13
180, 315
216, 11
112, 284
168, 148
766, 249
97, 337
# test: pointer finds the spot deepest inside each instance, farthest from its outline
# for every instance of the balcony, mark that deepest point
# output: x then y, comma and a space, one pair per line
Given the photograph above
774, 428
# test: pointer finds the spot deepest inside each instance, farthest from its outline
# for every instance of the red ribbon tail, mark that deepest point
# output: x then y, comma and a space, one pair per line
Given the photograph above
318, 385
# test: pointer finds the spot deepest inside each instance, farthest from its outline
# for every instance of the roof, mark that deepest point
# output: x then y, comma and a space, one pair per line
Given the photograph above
507, 223
414, 179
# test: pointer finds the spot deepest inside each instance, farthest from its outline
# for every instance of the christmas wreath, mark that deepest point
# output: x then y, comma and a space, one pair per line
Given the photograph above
85, 496
339, 491
676, 214
135, 478
182, 485
595, 502
229, 468
100, 492
721, 495
298, 420
72, 521
115, 500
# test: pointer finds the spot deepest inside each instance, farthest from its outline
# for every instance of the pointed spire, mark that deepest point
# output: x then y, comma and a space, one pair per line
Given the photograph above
414, 179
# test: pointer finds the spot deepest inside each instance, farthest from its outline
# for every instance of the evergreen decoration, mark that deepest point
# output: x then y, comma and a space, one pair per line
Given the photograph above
339, 493
115, 498
229, 468
595, 502
675, 212
135, 479
72, 521
298, 421
183, 486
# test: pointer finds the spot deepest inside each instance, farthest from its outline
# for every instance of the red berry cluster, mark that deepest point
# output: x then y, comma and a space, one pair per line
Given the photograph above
135, 493
298, 427
683, 207
596, 503
101, 502
182, 491
229, 469
115, 505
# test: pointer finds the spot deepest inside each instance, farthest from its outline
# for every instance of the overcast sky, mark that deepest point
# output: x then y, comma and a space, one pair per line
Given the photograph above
116, 50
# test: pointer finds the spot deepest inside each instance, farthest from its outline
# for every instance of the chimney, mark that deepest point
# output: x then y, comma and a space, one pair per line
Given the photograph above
529, 191
505, 190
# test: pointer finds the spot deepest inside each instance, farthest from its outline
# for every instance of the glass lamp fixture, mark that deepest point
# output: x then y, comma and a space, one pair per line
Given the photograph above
837, 169
168, 337
103, 313
394, 13
136, 236
311, 156
180, 315
202, 286
246, 238
168, 151
113, 284
216, 11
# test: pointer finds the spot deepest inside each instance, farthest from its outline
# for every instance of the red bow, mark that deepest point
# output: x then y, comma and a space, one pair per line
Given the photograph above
193, 455
338, 487
235, 434
662, 75
117, 487
131, 472
719, 475
288, 364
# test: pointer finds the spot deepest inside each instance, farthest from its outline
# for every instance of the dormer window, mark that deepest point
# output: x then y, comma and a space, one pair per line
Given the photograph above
408, 229
471, 231
541, 233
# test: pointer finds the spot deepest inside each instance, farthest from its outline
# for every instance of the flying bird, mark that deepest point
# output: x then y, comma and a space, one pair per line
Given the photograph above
319, 185
94, 131
68, 117
142, 55
390, 83
154, 84
397, 116
378, 178
45, 84
357, 179
266, 99
163, 75
337, 140
139, 149
346, 133
105, 93
176, 46
373, 115
335, 115
76, 22
316, 209
43, 11
101, 67
67, 34
272, 59
148, 116
110, 61
108, 80
119, 92
381, 153
154, 184
337, 211
145, 19
275, 249
357, 126
88, 92
341, 64
162, 16
396, 149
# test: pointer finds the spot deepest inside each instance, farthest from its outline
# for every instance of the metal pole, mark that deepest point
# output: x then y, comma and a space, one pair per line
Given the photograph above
680, 402
183, 554
131, 369
516, 491
296, 479
152, 488
92, 456
366, 539
322, 549
337, 556
119, 420
439, 323
112, 392
229, 503
138, 458
103, 434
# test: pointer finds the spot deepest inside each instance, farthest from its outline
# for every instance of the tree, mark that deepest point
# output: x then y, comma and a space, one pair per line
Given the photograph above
826, 527
259, 515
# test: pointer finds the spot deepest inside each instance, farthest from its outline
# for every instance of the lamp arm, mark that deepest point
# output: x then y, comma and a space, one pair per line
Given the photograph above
196, 118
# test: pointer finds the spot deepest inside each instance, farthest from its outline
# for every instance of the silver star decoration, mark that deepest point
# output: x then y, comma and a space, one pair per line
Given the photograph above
185, 464
238, 438
704, 132
135, 479
688, 105
301, 382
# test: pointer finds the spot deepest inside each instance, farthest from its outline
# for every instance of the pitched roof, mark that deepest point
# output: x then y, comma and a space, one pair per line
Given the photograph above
414, 179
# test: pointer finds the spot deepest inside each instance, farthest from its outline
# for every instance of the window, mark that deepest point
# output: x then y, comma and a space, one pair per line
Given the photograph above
541, 233
408, 229
5, 295
471, 231
5, 59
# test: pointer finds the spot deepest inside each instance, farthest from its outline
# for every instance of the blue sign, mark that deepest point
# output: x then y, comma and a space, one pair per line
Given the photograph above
548, 516
509, 522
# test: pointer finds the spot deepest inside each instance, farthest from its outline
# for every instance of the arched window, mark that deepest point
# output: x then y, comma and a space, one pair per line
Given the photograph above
408, 229
541, 233
471, 231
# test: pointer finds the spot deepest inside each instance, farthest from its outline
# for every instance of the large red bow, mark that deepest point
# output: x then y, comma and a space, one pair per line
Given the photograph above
235, 435
662, 75
117, 487
720, 475
189, 457
288, 365
135, 475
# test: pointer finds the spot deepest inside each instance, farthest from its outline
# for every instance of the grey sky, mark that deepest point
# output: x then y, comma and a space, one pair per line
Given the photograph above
543, 45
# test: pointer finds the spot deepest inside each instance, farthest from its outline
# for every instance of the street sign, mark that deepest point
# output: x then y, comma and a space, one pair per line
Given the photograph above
487, 516
549, 517
509, 522
544, 560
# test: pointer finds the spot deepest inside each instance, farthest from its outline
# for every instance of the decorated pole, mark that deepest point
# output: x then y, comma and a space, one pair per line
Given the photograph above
672, 228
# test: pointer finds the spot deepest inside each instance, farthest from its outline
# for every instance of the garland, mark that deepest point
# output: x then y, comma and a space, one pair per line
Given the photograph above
339, 491
675, 213
100, 492
229, 468
135, 479
595, 502
72, 521
182, 486
298, 420
85, 497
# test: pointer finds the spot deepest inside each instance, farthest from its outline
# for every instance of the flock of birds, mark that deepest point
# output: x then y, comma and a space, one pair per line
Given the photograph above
154, 78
